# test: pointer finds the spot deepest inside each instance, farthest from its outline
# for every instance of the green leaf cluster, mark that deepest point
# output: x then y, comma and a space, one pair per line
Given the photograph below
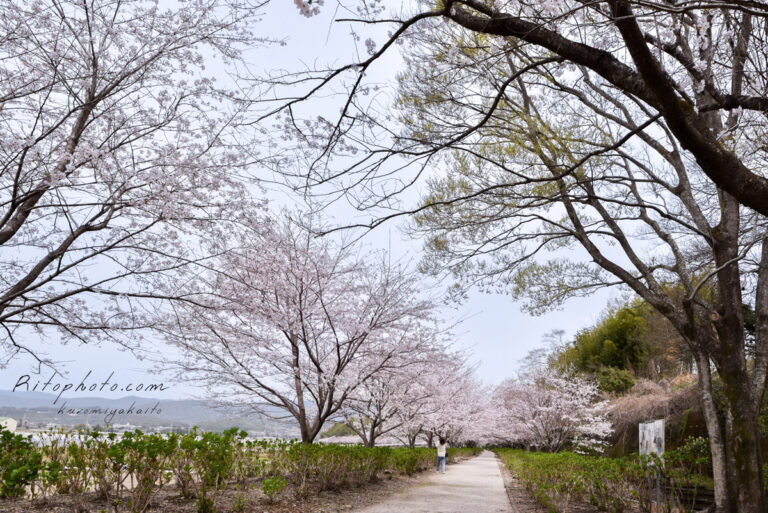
615, 342
20, 463
613, 380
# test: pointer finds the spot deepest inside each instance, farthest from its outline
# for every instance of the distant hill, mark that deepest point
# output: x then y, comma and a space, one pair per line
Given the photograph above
38, 408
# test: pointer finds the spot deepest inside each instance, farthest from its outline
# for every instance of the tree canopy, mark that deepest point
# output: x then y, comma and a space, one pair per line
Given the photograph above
567, 146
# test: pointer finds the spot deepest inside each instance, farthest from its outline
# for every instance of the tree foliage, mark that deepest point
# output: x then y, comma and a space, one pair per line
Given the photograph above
613, 380
616, 341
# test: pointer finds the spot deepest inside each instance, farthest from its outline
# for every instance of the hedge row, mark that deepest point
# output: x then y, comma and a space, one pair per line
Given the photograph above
614, 485
127, 472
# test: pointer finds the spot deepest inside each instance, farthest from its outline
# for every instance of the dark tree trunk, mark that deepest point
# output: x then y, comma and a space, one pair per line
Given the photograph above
371, 441
742, 446
742, 440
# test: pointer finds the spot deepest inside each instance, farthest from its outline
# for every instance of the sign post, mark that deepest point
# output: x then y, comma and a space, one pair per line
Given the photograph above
651, 437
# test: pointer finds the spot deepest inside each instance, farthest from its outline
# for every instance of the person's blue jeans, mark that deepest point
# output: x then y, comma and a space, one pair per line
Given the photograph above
440, 459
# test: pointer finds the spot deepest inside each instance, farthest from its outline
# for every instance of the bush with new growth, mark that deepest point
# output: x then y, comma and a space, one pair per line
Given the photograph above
615, 381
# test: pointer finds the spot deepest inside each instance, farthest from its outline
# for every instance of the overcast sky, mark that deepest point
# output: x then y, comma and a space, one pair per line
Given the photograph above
495, 330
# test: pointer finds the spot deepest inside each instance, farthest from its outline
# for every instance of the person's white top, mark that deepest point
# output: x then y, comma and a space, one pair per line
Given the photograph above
441, 450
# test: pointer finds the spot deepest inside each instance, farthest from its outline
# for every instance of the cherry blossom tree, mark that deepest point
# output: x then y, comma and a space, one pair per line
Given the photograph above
549, 412
292, 322
116, 148
375, 408
431, 394
455, 409
443, 399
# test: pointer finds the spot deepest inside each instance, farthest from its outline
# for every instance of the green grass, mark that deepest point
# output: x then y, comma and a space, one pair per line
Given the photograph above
613, 485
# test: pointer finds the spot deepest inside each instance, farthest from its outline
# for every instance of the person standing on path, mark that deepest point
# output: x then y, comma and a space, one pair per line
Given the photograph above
441, 447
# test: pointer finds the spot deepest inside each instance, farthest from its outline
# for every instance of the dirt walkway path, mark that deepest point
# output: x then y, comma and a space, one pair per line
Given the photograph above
472, 486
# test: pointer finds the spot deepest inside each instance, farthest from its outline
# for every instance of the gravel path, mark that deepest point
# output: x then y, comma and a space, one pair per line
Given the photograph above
472, 486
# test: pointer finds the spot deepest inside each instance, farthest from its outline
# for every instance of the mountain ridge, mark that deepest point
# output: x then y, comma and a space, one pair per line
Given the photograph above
43, 408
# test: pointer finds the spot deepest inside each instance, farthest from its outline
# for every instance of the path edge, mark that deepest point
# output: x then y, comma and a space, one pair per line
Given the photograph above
514, 490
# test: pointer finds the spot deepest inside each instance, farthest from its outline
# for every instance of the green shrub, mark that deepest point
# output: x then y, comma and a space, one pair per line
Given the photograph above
612, 485
205, 505
455, 453
127, 472
695, 450
557, 479
240, 503
77, 478
334, 466
613, 380
20, 463
147, 458
205, 461
407, 462
271, 486
106, 461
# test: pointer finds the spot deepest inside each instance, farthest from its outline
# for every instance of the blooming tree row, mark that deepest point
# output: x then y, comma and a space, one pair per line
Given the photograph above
438, 397
125, 183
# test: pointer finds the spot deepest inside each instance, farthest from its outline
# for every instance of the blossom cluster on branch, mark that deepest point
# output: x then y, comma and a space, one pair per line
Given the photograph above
549, 412
117, 149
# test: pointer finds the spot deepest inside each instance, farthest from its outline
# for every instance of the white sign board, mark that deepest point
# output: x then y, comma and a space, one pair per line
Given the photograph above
652, 437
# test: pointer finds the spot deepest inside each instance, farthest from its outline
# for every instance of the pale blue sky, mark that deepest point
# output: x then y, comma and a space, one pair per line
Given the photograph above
495, 329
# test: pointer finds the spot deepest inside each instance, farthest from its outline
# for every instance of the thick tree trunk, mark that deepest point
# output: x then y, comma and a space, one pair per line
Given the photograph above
361, 432
304, 433
742, 442
301, 415
715, 431
734, 443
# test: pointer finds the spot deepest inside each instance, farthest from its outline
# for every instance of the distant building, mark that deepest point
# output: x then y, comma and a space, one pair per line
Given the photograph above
9, 424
